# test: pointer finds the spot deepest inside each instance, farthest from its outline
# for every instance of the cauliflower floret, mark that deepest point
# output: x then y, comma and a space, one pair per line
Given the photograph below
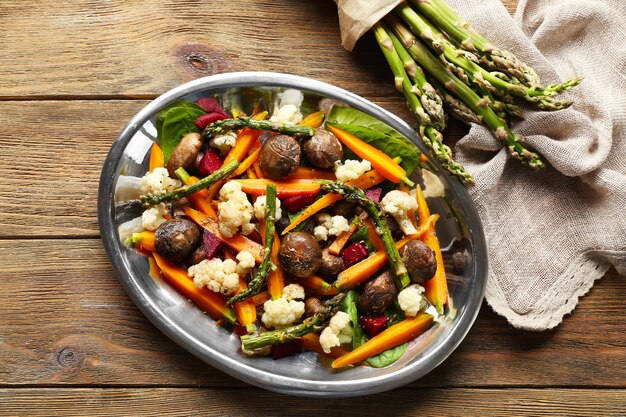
398, 203
288, 113
330, 226
223, 142
351, 169
217, 275
433, 187
282, 312
293, 292
158, 182
152, 218
260, 208
330, 335
411, 300
234, 210
245, 263
291, 96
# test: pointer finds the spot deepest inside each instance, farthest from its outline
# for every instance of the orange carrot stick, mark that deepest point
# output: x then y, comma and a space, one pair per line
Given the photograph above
313, 120
436, 288
276, 278
260, 298
365, 181
404, 331
311, 342
284, 189
156, 157
144, 240
237, 242
313, 174
318, 285
363, 270
212, 303
373, 236
244, 310
246, 163
251, 174
256, 167
341, 240
199, 199
381, 162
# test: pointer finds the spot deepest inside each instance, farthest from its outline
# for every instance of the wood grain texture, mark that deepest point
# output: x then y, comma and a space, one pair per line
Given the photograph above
66, 320
401, 402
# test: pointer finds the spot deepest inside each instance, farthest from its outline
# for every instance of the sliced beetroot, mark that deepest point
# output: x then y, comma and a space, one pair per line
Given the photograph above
297, 203
206, 119
374, 194
212, 244
354, 253
209, 163
210, 105
373, 325
286, 349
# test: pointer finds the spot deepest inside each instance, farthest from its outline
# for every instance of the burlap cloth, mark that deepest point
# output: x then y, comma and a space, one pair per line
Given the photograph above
551, 233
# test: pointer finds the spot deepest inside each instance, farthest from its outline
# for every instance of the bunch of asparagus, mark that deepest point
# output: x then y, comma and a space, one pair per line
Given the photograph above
438, 60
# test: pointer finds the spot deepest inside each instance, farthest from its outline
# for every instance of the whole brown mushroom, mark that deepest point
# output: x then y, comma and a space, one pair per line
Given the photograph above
300, 255
197, 256
323, 149
185, 153
176, 239
393, 226
378, 294
419, 259
279, 157
312, 306
331, 265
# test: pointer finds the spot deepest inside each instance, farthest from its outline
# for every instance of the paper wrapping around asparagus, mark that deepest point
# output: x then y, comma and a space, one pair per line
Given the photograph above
357, 17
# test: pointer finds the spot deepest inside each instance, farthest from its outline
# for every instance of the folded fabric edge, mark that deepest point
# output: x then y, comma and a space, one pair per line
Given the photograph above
352, 27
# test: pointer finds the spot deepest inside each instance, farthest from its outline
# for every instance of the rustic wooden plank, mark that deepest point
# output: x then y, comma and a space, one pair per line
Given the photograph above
255, 402
66, 320
143, 48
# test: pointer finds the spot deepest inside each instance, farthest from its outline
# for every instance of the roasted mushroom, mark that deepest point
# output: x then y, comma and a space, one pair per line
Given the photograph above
300, 255
185, 153
279, 157
312, 306
378, 294
176, 239
345, 208
393, 226
420, 260
331, 265
282, 223
323, 149
197, 256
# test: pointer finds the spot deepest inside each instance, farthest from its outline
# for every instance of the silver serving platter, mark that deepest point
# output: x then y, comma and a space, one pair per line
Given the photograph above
305, 374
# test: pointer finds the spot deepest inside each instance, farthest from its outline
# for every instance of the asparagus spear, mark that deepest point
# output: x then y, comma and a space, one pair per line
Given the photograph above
226, 125
256, 285
440, 72
311, 324
219, 175
355, 194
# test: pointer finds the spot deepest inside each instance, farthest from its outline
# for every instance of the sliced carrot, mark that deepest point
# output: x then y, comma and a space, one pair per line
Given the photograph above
276, 278
246, 163
245, 310
313, 120
318, 285
436, 288
260, 298
363, 270
313, 174
373, 236
155, 272
156, 157
381, 162
336, 247
144, 240
289, 188
311, 342
365, 181
404, 331
200, 199
237, 242
256, 167
212, 303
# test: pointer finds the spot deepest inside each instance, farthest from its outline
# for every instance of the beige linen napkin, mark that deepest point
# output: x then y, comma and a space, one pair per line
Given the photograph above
551, 233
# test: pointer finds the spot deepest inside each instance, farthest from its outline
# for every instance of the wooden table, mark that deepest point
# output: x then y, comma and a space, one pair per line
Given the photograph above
73, 343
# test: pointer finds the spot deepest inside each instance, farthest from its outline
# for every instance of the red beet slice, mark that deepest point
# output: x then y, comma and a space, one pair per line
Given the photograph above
286, 349
206, 119
354, 253
210, 105
209, 163
297, 203
374, 194
212, 244
373, 325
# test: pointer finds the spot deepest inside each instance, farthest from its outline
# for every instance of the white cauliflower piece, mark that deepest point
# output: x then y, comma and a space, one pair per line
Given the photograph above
245, 263
433, 187
351, 169
291, 96
158, 182
330, 226
330, 335
398, 203
411, 300
216, 275
260, 208
234, 210
152, 218
293, 292
282, 312
288, 113
223, 142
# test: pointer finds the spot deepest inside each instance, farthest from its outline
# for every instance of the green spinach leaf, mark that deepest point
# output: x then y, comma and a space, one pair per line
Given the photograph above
388, 357
177, 123
160, 117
